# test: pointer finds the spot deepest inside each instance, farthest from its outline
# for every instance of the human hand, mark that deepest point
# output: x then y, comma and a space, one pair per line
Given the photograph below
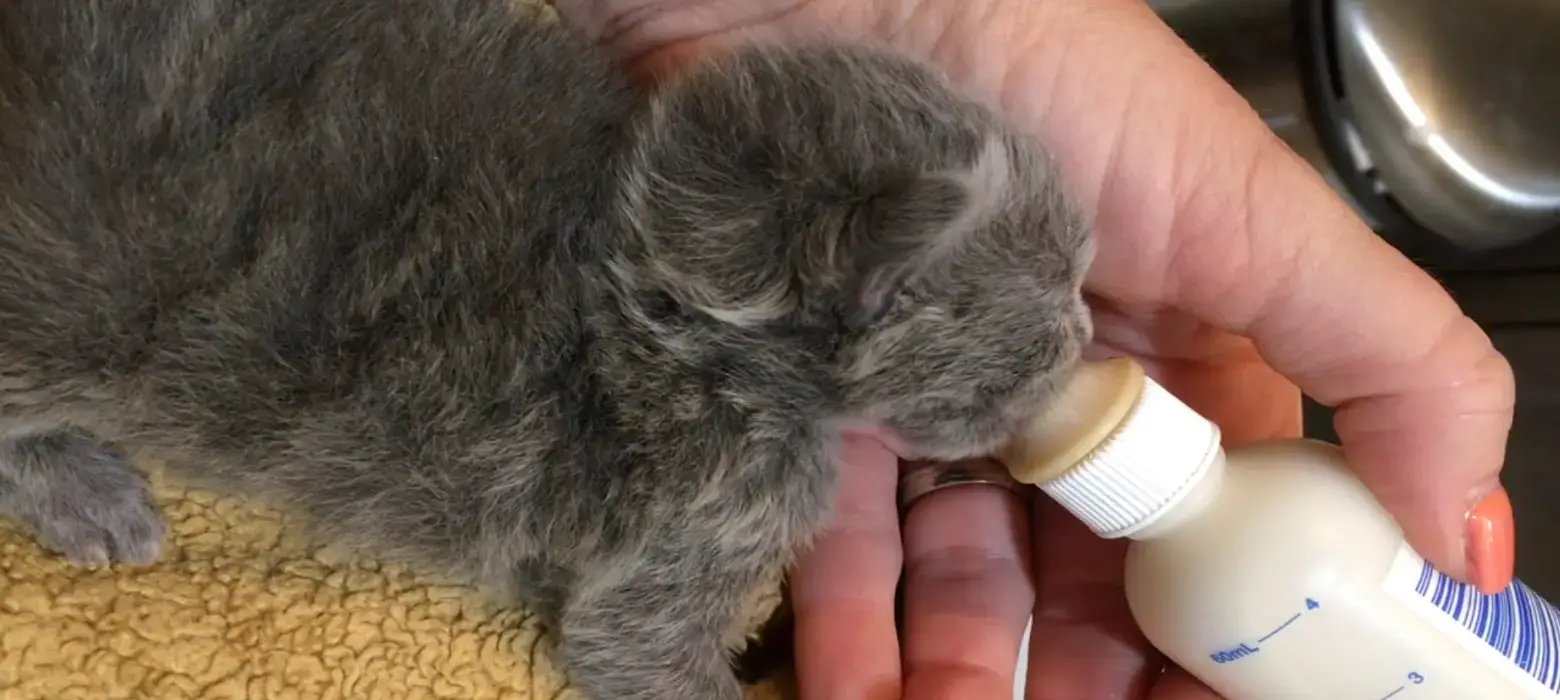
1225, 265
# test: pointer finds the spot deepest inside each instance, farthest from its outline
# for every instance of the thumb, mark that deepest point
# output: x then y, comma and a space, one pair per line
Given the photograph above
1424, 401
1253, 242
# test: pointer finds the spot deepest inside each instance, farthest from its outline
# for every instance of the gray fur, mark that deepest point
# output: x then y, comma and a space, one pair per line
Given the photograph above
433, 273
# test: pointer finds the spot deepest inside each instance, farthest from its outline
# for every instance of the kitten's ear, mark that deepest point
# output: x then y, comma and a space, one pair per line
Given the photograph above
910, 225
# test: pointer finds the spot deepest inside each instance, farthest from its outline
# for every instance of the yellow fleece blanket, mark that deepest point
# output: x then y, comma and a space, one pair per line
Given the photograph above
242, 606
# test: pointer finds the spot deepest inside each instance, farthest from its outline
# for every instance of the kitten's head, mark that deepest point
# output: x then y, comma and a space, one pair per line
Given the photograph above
853, 196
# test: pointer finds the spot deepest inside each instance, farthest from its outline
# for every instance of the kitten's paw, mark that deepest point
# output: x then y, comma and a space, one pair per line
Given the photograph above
104, 528
82, 499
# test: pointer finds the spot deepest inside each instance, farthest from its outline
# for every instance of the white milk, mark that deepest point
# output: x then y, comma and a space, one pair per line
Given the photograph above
1269, 571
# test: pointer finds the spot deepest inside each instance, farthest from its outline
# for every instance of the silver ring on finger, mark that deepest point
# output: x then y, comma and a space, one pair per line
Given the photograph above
920, 478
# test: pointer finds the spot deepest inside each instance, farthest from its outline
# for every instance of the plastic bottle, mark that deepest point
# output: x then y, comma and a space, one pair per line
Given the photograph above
1269, 571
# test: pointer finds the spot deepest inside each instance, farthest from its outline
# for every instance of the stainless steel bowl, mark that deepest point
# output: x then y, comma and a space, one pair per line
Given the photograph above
1438, 120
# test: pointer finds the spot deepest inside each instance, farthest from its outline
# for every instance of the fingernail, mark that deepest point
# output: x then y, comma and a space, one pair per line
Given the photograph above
1492, 543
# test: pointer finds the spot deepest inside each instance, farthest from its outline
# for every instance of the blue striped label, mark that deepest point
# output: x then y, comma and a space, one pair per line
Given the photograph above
1516, 622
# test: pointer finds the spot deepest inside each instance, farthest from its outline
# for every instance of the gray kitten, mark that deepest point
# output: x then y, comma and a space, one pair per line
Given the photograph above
432, 272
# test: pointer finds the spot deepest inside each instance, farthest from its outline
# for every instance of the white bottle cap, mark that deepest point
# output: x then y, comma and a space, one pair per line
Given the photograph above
1116, 449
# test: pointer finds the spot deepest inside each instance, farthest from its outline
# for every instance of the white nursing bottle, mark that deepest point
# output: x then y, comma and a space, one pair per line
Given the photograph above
1269, 571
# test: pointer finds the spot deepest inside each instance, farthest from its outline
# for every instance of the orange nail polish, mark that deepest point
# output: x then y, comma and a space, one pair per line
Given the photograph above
1492, 543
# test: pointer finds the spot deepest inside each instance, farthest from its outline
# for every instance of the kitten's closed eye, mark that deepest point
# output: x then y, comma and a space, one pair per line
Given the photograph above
658, 305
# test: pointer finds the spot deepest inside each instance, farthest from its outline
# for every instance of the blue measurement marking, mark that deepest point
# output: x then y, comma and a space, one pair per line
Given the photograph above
1236, 654
1244, 650
1515, 622
1414, 678
1270, 635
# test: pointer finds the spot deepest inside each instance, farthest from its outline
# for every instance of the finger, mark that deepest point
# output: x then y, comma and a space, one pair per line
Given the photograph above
1250, 239
842, 589
1085, 643
1248, 400
1219, 375
967, 593
1176, 684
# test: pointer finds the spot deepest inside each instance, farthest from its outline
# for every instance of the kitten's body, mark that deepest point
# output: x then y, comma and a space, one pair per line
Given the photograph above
434, 274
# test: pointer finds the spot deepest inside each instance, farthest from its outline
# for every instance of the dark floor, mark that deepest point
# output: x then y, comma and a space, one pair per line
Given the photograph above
1516, 298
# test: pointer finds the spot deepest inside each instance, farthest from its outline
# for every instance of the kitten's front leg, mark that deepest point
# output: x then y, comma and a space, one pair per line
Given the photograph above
661, 631
80, 497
